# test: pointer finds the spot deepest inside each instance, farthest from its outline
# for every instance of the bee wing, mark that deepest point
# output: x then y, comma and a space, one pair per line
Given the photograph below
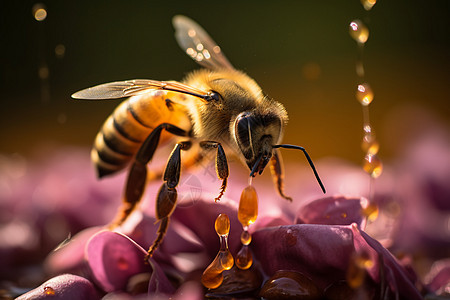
198, 44
128, 88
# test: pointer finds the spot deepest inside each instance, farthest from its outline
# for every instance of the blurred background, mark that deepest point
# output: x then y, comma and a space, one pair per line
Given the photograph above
300, 52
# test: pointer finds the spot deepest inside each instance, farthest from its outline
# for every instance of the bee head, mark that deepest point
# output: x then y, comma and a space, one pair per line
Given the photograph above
255, 133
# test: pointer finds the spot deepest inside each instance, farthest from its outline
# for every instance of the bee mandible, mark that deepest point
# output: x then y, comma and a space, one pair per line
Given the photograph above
215, 108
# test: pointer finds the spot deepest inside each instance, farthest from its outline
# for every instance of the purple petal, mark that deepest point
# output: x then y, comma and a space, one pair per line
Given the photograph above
398, 279
438, 280
64, 287
70, 257
332, 211
113, 259
322, 252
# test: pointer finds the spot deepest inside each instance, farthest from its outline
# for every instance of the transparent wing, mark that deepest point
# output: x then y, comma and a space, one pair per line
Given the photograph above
196, 42
128, 88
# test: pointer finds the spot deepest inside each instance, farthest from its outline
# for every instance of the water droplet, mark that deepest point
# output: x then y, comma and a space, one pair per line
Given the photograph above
373, 165
199, 47
364, 94
368, 4
191, 52
358, 31
191, 33
248, 206
244, 258
39, 12
206, 54
49, 291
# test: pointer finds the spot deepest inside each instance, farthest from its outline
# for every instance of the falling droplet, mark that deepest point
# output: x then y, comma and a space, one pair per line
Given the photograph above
246, 237
364, 94
39, 12
358, 31
373, 165
244, 258
369, 209
248, 206
49, 291
369, 144
368, 4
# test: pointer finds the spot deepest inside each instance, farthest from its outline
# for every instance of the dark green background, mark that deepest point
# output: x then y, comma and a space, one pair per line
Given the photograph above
407, 60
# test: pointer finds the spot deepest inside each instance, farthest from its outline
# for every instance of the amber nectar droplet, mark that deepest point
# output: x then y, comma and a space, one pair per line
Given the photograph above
49, 291
373, 165
244, 258
368, 4
369, 144
364, 94
358, 31
248, 206
222, 225
212, 277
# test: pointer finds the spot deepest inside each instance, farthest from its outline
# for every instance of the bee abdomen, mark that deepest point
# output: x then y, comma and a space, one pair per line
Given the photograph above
125, 130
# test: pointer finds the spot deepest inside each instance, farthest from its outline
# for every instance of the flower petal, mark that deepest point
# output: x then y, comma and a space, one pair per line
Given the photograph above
63, 287
336, 210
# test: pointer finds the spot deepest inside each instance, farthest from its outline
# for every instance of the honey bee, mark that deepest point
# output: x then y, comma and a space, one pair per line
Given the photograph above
215, 108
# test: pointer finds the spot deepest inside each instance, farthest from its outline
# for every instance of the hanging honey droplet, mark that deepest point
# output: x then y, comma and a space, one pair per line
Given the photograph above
369, 209
246, 237
211, 278
373, 165
248, 206
364, 94
49, 291
368, 4
358, 31
370, 144
244, 258
222, 225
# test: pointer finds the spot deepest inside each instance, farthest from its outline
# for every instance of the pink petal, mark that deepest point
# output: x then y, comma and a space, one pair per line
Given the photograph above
63, 287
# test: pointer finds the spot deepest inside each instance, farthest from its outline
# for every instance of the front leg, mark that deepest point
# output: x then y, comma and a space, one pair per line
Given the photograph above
167, 195
137, 176
221, 164
277, 170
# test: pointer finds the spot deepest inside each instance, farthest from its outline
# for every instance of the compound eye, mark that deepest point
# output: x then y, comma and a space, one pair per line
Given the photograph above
242, 130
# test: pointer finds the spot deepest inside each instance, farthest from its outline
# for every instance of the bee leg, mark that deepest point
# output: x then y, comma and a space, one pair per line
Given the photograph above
221, 164
167, 195
277, 170
138, 173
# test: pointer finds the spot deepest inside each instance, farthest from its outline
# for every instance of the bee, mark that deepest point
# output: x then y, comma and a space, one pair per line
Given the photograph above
215, 108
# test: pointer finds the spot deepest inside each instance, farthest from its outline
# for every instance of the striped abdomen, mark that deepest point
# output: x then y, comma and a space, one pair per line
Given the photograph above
129, 125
